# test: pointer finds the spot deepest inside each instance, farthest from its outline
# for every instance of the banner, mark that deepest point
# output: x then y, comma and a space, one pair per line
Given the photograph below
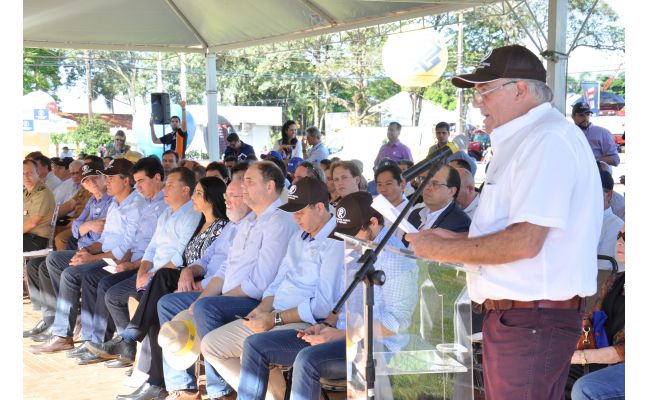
591, 94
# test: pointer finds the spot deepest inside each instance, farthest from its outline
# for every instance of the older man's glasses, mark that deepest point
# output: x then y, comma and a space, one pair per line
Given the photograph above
478, 95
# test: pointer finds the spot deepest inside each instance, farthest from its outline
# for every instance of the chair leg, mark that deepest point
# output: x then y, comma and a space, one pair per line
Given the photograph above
25, 280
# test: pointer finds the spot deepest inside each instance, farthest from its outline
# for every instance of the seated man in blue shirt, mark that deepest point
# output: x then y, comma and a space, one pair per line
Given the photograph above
305, 290
319, 350
67, 269
183, 384
253, 260
237, 148
174, 229
85, 231
97, 326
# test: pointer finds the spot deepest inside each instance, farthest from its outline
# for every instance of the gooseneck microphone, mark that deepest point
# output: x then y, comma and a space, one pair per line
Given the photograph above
459, 143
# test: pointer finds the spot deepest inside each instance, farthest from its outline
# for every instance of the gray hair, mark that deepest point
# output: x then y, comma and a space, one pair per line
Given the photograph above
539, 90
76, 162
313, 131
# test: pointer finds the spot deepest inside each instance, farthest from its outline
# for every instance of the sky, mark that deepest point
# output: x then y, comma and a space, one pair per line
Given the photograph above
586, 59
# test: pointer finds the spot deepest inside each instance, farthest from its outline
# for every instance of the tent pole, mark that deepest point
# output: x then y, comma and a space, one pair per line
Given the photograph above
211, 92
556, 55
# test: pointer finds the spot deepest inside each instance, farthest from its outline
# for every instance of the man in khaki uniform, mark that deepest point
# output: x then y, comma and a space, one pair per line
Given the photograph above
38, 206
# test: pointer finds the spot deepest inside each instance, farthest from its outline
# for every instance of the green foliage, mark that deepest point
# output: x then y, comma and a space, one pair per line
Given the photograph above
442, 93
58, 138
617, 86
92, 133
41, 71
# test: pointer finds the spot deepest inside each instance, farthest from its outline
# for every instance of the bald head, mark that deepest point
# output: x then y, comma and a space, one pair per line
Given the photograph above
467, 192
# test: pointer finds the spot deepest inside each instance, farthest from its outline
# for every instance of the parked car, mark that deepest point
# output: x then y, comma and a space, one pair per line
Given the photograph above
479, 142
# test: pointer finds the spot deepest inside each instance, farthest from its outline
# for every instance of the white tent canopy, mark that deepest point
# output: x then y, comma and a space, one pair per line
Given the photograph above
201, 25
209, 26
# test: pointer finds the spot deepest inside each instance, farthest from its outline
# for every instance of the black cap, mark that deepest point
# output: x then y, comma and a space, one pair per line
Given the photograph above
504, 62
305, 192
581, 107
118, 166
89, 170
352, 212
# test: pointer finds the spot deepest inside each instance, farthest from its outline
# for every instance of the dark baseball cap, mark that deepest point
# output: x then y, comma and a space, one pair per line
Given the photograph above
504, 62
118, 166
352, 212
305, 192
91, 169
272, 153
293, 164
581, 107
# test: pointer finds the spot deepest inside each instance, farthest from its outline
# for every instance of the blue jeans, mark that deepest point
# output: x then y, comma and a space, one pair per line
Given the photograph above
168, 306
283, 347
69, 296
604, 384
211, 313
96, 322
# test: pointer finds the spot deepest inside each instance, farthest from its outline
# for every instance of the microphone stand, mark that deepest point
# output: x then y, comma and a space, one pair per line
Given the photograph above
372, 277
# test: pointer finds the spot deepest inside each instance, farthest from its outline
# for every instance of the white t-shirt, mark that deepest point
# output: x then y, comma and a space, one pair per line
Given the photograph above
543, 173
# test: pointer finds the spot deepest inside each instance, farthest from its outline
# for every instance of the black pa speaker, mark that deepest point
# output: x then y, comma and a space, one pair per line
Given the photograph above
160, 108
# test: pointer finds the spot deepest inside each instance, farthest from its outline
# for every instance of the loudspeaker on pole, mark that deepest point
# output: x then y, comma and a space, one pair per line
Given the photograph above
160, 108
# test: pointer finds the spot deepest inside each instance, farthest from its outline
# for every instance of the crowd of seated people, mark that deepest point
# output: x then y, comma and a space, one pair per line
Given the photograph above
241, 255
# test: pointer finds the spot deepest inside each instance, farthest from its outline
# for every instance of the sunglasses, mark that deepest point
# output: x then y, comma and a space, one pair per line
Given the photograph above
621, 235
583, 114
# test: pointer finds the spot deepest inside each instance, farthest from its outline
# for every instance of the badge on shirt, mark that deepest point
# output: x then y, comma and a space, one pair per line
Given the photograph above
98, 209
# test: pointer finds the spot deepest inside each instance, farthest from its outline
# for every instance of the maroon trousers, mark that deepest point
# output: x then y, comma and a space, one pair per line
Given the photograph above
527, 352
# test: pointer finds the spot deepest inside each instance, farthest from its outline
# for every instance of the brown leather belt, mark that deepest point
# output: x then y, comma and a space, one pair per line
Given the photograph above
573, 303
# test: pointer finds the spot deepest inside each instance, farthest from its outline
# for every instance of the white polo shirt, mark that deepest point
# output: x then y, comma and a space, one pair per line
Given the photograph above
543, 172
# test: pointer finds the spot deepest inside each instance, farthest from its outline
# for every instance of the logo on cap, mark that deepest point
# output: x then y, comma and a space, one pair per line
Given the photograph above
484, 64
341, 212
110, 164
293, 189
85, 169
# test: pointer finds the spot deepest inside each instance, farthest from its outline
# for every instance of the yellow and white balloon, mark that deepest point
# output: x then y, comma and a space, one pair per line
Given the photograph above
415, 58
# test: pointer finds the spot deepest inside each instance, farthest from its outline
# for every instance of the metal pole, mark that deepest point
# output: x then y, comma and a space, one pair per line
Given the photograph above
213, 119
557, 62
460, 125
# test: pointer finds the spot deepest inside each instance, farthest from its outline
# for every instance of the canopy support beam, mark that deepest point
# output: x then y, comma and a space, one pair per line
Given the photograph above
211, 94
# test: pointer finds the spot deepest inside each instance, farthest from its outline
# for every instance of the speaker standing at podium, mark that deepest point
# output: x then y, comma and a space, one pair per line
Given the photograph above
175, 140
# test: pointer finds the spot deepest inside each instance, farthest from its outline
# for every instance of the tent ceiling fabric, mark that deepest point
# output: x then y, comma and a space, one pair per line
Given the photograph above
190, 25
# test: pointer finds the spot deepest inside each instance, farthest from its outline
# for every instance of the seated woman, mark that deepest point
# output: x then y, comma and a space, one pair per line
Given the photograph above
320, 350
208, 198
601, 372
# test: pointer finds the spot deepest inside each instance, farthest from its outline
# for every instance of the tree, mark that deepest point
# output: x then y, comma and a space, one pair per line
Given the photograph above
93, 133
41, 70
57, 139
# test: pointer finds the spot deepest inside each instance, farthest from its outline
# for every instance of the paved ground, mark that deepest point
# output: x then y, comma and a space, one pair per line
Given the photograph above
56, 377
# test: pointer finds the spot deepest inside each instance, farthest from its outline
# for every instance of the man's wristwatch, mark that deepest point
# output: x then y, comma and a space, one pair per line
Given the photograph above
278, 319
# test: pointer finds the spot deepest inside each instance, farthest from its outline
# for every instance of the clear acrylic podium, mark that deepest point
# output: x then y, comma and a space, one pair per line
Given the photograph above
422, 327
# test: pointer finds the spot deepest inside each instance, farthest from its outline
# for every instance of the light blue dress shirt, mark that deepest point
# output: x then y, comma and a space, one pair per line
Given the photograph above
95, 209
317, 153
257, 249
310, 275
215, 255
395, 301
173, 231
151, 210
121, 225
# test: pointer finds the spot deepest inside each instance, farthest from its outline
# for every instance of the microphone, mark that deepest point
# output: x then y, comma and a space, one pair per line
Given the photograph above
459, 143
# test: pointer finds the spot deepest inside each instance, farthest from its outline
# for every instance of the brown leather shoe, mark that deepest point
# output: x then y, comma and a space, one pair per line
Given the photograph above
184, 395
52, 345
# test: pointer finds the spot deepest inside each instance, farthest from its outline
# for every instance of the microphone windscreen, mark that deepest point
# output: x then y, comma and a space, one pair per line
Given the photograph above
461, 142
